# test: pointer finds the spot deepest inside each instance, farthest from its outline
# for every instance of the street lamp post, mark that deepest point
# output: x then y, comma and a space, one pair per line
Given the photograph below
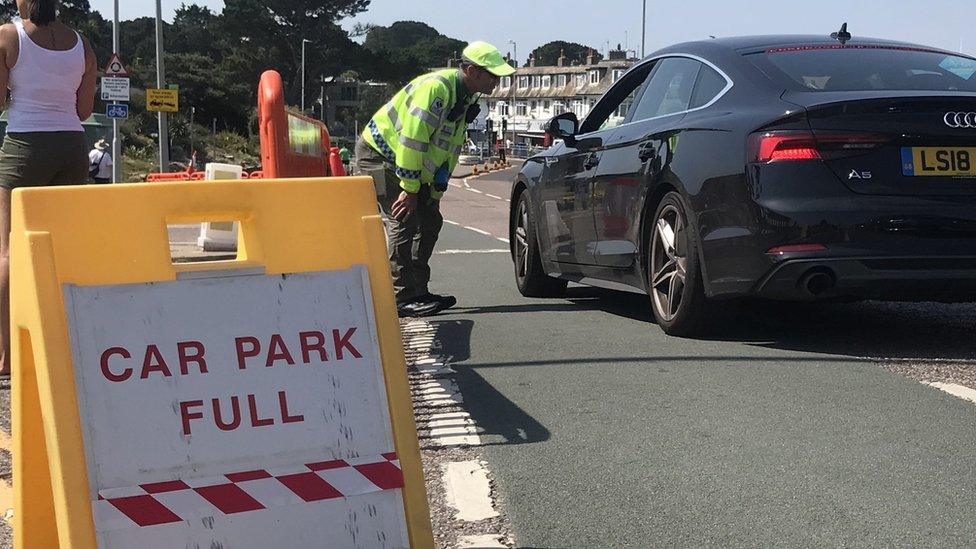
304, 41
116, 143
511, 108
643, 26
160, 79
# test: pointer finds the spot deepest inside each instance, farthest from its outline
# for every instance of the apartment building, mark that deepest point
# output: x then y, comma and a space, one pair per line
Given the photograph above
529, 98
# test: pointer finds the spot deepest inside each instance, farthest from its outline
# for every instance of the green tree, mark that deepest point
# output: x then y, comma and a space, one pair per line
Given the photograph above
548, 54
270, 35
412, 48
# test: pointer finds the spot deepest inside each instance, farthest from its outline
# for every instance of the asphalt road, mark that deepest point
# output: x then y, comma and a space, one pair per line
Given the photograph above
781, 429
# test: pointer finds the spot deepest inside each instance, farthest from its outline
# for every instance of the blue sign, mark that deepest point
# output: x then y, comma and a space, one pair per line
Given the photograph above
119, 110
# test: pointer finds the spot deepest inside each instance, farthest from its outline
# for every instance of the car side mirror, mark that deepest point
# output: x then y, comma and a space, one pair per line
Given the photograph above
565, 127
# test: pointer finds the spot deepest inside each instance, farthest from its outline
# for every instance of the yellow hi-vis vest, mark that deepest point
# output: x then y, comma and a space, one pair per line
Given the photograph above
416, 132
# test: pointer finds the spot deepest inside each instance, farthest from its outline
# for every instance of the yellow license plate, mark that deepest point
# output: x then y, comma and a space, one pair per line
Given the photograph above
938, 161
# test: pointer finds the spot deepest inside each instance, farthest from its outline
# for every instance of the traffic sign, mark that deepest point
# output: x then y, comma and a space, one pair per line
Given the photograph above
261, 402
115, 88
115, 66
162, 100
120, 110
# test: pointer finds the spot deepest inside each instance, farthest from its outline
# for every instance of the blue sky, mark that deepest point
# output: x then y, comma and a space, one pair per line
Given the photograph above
530, 23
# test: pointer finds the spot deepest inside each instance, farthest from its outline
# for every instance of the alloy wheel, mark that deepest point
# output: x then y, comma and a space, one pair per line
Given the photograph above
669, 264
521, 240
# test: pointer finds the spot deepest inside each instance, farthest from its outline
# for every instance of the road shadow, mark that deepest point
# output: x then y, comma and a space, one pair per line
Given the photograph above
873, 329
628, 305
502, 421
866, 329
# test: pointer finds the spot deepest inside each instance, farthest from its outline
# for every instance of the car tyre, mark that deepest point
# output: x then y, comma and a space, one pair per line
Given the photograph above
673, 271
530, 277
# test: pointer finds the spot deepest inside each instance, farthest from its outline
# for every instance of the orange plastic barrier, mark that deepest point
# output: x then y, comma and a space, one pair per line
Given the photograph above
292, 145
168, 176
335, 163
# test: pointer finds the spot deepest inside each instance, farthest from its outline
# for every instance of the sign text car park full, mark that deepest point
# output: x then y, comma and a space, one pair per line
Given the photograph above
276, 382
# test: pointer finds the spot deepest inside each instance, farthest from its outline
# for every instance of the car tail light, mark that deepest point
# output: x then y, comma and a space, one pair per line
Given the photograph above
796, 248
778, 146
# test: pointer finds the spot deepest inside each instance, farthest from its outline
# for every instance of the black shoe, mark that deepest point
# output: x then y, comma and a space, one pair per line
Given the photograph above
418, 308
445, 301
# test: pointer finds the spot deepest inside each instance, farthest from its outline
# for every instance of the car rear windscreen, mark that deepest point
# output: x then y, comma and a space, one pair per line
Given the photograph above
866, 68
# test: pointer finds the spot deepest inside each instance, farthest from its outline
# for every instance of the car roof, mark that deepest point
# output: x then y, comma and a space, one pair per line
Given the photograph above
748, 44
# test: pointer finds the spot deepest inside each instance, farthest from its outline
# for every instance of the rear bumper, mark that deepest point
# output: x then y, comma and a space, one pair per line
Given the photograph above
948, 279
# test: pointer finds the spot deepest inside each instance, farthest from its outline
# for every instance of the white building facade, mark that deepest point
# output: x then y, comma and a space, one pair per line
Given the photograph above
533, 95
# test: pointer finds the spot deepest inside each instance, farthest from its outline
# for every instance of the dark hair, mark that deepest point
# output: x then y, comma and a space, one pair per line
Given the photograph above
42, 12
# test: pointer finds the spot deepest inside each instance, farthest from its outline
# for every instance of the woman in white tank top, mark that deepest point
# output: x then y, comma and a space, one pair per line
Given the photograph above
50, 71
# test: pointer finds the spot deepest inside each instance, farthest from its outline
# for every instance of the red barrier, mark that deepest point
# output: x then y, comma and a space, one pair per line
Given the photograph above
292, 145
335, 162
169, 176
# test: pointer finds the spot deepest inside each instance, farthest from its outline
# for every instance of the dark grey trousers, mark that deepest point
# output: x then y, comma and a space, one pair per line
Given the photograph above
411, 240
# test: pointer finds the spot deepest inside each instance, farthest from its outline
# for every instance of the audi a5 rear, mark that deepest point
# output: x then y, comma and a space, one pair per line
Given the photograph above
784, 167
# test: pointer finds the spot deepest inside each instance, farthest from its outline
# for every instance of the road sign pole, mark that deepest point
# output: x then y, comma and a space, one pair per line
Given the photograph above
160, 79
116, 142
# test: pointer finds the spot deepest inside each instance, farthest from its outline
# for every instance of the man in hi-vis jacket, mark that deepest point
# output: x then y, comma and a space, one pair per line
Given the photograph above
411, 145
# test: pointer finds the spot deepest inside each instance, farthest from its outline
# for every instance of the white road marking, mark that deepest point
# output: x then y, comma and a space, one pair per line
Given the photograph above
449, 222
475, 190
466, 484
479, 231
493, 196
956, 390
468, 490
503, 239
457, 252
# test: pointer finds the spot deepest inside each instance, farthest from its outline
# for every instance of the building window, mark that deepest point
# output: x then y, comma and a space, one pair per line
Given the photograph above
561, 80
347, 93
546, 105
523, 82
536, 81
520, 109
580, 80
505, 82
617, 73
558, 108
594, 77
547, 81
502, 108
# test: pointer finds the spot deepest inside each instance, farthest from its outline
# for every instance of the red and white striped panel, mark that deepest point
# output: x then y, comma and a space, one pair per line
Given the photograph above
179, 500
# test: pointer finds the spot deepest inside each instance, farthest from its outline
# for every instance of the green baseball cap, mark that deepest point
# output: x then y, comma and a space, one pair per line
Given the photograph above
487, 57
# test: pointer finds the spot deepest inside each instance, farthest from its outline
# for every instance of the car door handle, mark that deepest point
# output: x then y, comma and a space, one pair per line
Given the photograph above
646, 151
591, 162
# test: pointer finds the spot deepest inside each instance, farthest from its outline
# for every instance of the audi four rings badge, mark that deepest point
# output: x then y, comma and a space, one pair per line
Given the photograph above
960, 119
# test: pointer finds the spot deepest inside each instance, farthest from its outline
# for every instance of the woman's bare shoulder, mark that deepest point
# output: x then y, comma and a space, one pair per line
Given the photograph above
8, 35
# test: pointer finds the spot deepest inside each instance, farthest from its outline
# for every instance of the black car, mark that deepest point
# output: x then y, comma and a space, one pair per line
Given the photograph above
785, 167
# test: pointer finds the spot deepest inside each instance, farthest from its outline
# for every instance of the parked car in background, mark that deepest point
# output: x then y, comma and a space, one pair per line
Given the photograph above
783, 167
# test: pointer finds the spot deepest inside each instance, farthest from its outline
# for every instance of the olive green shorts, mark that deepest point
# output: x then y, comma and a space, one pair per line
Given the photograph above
36, 159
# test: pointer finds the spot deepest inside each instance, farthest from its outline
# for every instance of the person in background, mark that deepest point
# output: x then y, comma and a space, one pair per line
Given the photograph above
50, 71
345, 156
100, 163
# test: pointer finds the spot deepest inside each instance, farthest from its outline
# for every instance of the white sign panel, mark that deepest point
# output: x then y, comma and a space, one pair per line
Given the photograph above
236, 411
115, 88
220, 235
